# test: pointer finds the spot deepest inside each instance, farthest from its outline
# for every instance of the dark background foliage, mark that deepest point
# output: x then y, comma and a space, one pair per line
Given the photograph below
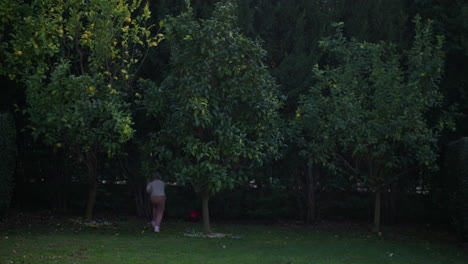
289, 31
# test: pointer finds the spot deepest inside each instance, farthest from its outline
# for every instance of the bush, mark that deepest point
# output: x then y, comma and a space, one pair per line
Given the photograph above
7, 160
456, 171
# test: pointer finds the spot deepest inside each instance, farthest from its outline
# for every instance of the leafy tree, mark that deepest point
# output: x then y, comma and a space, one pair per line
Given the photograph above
77, 60
303, 23
218, 108
374, 113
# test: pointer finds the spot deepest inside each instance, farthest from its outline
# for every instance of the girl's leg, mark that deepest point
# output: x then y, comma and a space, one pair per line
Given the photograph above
155, 214
160, 210
154, 207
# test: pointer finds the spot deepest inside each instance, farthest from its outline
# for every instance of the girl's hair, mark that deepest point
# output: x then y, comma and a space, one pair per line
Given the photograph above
156, 175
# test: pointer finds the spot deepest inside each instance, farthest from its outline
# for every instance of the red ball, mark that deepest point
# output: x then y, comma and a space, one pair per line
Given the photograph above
194, 216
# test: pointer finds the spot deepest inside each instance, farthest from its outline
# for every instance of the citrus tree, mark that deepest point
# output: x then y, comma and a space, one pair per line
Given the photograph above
77, 60
377, 112
217, 109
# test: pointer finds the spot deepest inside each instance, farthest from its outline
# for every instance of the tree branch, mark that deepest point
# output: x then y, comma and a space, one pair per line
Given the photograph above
405, 171
347, 163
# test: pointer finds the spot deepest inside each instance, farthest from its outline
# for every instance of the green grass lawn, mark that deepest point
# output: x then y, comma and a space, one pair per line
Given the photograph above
133, 242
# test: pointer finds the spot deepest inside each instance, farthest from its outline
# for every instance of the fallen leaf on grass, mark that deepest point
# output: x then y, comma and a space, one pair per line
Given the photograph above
75, 255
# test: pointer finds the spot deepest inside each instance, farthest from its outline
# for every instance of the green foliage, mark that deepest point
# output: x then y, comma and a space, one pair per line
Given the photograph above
71, 113
450, 19
371, 111
456, 173
217, 109
8, 13
7, 159
77, 60
291, 31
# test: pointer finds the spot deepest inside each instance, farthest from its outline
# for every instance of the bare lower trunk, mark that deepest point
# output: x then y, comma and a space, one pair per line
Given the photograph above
92, 185
130, 168
61, 183
91, 201
310, 193
300, 193
205, 196
375, 170
142, 202
137, 185
377, 210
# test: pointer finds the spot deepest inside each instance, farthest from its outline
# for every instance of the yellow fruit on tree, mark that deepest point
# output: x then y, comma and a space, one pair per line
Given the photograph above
91, 89
127, 130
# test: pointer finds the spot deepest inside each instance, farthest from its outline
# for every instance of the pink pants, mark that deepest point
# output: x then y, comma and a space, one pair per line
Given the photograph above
158, 203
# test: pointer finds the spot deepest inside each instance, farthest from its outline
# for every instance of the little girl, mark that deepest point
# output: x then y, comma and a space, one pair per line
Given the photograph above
155, 189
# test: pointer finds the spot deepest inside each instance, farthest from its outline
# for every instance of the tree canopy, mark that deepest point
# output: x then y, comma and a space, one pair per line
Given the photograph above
76, 61
218, 107
370, 113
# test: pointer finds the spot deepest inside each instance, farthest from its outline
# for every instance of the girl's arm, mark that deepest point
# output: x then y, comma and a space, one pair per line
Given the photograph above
148, 188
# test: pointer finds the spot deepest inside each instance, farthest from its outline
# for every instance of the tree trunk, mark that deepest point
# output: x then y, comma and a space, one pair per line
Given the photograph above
92, 192
61, 179
389, 205
377, 210
311, 194
205, 196
393, 204
92, 184
300, 193
136, 182
142, 202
